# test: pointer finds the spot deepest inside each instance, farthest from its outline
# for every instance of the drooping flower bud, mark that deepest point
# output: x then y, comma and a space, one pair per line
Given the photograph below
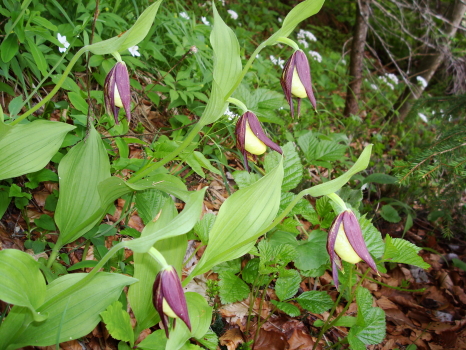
345, 242
117, 92
296, 80
168, 298
251, 139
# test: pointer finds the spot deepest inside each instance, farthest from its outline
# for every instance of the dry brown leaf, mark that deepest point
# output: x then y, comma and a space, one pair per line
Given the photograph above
232, 338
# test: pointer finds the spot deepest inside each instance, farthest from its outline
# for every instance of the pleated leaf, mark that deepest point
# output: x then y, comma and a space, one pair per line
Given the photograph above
241, 219
73, 315
26, 148
22, 283
79, 206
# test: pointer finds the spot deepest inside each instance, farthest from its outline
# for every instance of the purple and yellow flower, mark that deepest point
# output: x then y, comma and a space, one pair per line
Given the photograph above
251, 139
345, 242
168, 298
117, 92
296, 80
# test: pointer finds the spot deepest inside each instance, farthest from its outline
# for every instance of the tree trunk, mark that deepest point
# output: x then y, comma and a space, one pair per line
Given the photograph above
357, 58
429, 65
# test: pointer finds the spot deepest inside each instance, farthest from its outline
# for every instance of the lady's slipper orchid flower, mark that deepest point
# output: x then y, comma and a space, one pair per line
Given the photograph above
345, 242
251, 139
117, 92
296, 80
168, 298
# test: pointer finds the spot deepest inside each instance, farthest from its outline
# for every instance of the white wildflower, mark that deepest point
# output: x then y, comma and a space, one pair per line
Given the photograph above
392, 77
421, 81
303, 34
233, 14
316, 56
383, 78
390, 86
184, 15
374, 87
133, 50
343, 61
423, 117
230, 115
205, 21
277, 61
280, 20
304, 43
63, 41
223, 2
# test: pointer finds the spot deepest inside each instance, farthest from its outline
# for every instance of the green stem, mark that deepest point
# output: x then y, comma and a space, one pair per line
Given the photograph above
238, 103
158, 257
288, 42
54, 90
53, 255
393, 287
340, 204
153, 166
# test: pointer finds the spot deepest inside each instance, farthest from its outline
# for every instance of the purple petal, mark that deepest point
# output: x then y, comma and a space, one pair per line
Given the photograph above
122, 82
304, 73
286, 81
356, 239
332, 237
256, 128
240, 132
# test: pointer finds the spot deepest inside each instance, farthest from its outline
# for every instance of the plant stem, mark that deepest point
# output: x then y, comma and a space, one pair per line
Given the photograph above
54, 90
338, 202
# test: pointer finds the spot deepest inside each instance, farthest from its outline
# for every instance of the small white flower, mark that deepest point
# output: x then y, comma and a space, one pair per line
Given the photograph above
205, 21
184, 15
421, 81
62, 40
343, 61
303, 34
233, 14
392, 77
280, 20
390, 86
277, 61
133, 50
304, 43
423, 117
374, 87
383, 78
230, 115
316, 56
223, 2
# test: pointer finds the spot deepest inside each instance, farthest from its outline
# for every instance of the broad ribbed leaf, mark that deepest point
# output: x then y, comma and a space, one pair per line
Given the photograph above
292, 167
131, 37
298, 14
241, 219
287, 287
22, 283
27, 148
287, 308
315, 301
117, 322
74, 315
200, 315
232, 288
227, 60
401, 251
79, 206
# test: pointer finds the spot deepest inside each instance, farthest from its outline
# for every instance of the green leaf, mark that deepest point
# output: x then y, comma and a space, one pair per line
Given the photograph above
209, 340
315, 301
390, 214
379, 178
149, 203
131, 37
45, 222
287, 308
154, 341
38, 56
200, 315
316, 149
40, 176
363, 299
251, 273
459, 264
298, 14
227, 60
313, 253
372, 237
232, 288
118, 323
9, 47
373, 332
232, 266
241, 220
22, 281
15, 105
78, 102
292, 167
244, 178
335, 184
79, 206
73, 309
5, 200
27, 148
197, 161
287, 287
203, 227
401, 251
354, 341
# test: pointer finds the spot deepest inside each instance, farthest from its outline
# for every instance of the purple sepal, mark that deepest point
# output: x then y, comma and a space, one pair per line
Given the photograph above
117, 77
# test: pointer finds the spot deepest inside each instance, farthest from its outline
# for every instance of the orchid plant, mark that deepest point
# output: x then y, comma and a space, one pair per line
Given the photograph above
70, 306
